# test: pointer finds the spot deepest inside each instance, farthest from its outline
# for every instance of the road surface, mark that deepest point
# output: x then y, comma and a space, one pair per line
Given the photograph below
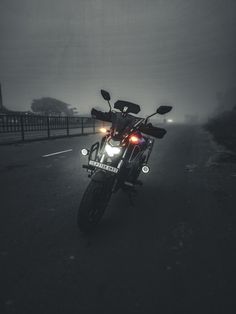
170, 251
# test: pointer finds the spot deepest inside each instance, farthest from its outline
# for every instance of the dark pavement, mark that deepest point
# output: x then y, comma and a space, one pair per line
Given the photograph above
172, 251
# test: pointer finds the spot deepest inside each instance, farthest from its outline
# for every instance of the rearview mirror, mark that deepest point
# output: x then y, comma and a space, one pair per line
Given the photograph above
105, 95
163, 109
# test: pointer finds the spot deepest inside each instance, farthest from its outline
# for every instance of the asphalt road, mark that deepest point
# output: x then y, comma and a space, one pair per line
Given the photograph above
170, 251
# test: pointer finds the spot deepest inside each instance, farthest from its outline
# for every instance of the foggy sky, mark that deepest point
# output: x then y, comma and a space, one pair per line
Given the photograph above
149, 52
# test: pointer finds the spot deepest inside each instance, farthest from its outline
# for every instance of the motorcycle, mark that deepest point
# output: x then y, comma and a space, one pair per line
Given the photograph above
117, 161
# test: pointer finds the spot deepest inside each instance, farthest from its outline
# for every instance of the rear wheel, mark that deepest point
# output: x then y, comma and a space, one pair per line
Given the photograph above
93, 204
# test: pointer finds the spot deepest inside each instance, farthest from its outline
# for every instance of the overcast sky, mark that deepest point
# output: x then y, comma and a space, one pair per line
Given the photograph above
146, 51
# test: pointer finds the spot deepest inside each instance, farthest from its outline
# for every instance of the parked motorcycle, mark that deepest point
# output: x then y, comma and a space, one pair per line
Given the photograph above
117, 161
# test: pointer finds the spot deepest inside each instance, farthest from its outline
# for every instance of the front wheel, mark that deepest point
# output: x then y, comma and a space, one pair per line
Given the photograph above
93, 204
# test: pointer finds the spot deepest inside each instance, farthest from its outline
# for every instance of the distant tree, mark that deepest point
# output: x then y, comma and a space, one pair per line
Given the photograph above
52, 106
226, 100
223, 123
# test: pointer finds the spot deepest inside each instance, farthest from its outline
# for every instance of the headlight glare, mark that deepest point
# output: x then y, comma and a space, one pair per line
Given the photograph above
111, 151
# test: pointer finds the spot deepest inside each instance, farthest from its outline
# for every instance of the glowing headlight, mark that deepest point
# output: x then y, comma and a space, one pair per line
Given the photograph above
111, 151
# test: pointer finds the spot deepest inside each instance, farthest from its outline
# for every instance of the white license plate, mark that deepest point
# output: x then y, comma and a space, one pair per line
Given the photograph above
102, 166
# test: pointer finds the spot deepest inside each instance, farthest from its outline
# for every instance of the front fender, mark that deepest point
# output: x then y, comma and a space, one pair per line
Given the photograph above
101, 176
105, 179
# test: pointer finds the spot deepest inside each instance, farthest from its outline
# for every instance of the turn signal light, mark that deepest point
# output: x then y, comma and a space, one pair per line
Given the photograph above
134, 139
103, 130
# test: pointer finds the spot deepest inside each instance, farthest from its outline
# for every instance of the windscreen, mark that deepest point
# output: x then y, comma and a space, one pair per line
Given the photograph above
122, 124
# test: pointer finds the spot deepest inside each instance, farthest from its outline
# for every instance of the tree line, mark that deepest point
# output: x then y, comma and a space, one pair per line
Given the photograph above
52, 106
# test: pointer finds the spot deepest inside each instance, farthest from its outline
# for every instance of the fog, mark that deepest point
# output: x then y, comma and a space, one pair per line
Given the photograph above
149, 52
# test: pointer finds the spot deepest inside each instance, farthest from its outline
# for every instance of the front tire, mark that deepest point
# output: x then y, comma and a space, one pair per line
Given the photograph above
93, 204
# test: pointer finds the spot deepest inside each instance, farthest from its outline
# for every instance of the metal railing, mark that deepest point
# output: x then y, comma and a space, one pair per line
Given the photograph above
17, 128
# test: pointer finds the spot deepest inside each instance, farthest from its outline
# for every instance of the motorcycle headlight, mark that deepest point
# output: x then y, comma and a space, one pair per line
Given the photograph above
111, 151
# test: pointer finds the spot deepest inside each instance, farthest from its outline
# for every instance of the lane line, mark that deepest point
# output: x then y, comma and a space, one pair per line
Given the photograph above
57, 153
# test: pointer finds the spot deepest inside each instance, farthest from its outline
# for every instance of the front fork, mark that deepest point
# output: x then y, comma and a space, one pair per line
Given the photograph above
150, 147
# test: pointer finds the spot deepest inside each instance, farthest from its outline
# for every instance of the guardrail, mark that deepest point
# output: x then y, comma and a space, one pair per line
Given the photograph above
19, 128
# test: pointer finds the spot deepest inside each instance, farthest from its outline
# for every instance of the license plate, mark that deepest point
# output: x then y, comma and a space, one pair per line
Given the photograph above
103, 166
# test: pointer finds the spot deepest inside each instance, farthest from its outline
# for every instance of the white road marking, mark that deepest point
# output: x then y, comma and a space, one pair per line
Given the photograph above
57, 153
